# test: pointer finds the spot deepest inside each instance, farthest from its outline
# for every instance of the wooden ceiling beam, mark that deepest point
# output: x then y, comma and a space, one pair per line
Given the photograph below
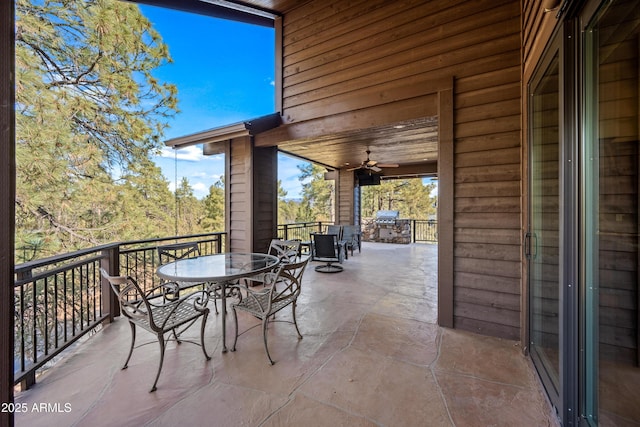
405, 171
400, 111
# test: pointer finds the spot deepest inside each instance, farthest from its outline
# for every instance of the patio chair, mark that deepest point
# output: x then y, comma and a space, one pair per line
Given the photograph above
286, 250
350, 238
175, 251
265, 303
160, 316
326, 248
335, 229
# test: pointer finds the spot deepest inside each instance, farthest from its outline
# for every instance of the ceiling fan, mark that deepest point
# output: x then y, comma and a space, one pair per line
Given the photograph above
372, 165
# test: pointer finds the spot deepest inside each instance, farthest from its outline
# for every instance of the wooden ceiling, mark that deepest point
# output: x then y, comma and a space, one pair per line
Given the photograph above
407, 143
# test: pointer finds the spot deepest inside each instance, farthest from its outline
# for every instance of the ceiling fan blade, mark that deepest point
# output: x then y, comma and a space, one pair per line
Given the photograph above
352, 169
375, 168
370, 163
388, 165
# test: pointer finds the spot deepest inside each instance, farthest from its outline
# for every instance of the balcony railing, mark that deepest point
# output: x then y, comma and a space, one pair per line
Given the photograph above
422, 230
301, 230
60, 299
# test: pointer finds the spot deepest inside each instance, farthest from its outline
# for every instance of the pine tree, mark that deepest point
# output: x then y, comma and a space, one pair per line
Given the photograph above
190, 211
214, 208
89, 114
318, 195
410, 197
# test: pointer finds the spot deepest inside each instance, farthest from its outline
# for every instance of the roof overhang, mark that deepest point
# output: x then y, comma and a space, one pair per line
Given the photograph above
226, 133
224, 9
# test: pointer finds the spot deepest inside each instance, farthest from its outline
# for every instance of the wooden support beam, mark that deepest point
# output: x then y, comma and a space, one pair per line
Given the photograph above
7, 209
445, 207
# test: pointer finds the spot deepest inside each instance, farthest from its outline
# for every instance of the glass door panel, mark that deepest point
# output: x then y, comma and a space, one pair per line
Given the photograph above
611, 154
544, 226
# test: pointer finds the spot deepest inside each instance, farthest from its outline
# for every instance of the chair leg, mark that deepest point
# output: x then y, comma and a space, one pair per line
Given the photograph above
202, 327
264, 335
235, 321
161, 342
295, 322
215, 303
133, 341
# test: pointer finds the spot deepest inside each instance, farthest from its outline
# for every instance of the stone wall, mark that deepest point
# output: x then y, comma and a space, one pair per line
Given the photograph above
398, 232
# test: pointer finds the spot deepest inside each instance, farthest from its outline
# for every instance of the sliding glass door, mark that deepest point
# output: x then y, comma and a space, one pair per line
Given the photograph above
543, 237
610, 215
583, 240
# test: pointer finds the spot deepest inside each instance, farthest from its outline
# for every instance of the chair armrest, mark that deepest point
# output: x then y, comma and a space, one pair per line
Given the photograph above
200, 299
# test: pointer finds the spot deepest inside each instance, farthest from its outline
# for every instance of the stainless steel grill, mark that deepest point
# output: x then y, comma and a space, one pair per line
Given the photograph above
387, 217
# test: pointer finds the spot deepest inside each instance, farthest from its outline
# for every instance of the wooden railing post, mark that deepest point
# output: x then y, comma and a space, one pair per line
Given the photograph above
111, 263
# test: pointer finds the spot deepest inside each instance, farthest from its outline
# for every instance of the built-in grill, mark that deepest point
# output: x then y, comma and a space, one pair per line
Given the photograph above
387, 217
387, 227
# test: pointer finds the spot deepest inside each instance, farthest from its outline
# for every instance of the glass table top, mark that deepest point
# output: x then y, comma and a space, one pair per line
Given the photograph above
218, 267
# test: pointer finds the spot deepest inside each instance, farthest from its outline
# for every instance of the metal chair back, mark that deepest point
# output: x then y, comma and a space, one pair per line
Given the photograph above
326, 248
176, 251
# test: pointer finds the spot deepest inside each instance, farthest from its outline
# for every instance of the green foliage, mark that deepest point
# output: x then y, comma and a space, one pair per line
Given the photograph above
89, 117
214, 208
317, 198
409, 196
189, 210
318, 195
287, 209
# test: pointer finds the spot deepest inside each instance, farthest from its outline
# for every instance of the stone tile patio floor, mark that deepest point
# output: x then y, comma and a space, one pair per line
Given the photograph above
372, 355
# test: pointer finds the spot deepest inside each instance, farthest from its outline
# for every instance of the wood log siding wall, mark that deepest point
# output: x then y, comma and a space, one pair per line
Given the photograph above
251, 194
239, 195
371, 61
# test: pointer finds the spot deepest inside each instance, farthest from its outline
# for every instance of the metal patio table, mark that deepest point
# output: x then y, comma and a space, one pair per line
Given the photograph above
219, 272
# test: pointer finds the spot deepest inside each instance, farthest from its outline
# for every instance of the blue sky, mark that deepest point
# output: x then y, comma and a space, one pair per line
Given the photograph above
224, 71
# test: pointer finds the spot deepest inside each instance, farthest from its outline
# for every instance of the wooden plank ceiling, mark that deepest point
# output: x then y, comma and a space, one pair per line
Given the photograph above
403, 143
